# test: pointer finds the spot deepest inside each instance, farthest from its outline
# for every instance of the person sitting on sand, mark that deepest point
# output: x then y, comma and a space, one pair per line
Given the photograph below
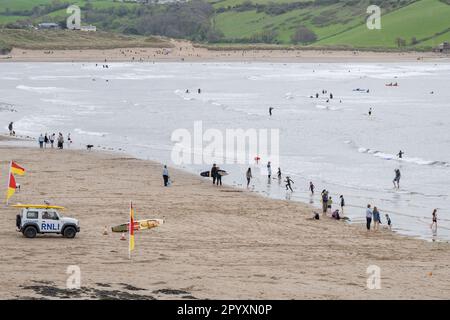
335, 214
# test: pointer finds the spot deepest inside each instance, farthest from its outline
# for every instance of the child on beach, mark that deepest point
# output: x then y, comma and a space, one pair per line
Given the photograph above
329, 204
288, 183
389, 223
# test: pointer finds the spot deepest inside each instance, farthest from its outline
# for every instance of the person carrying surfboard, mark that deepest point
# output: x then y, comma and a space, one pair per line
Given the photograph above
214, 173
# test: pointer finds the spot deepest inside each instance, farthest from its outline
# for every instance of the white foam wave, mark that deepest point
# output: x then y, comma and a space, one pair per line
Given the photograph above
91, 133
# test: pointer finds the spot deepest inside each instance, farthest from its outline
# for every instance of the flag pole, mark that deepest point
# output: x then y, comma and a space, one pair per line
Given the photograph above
9, 181
129, 231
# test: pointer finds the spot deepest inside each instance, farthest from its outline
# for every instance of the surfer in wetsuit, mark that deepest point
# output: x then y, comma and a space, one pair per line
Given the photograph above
10, 127
400, 154
397, 178
270, 111
288, 183
249, 176
370, 112
434, 222
279, 174
311, 187
218, 177
214, 173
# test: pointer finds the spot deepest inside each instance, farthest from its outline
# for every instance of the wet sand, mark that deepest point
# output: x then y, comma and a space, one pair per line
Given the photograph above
217, 242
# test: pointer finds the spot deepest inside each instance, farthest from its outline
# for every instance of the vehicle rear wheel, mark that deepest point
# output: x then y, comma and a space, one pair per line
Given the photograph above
69, 232
30, 232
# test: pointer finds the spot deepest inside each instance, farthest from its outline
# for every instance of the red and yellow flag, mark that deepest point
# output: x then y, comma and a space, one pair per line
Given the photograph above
131, 228
11, 187
16, 169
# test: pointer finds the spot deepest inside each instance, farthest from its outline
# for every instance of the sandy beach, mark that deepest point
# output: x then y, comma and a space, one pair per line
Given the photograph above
186, 51
217, 242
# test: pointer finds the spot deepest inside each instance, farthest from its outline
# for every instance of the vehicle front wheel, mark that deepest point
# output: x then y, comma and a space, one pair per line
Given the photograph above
69, 232
30, 232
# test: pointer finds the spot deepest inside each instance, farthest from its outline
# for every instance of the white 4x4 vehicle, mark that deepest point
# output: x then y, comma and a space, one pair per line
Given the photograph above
32, 221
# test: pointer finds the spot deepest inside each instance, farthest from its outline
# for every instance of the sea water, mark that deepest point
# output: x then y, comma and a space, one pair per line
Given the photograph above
136, 107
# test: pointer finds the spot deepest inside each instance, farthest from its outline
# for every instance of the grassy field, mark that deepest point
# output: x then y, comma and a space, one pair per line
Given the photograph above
339, 24
66, 39
420, 20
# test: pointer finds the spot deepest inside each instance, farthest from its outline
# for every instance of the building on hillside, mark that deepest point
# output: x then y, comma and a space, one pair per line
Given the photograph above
89, 28
48, 25
444, 47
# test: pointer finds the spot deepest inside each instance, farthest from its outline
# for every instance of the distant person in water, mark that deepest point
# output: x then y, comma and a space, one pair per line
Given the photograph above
317, 95
341, 197
370, 112
199, 91
269, 170
270, 111
279, 173
331, 96
11, 130
434, 220
165, 176
311, 187
187, 90
400, 154
249, 176
368, 217
397, 179
288, 183
389, 222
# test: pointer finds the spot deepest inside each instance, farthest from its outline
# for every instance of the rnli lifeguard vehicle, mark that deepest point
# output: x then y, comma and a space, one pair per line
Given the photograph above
41, 219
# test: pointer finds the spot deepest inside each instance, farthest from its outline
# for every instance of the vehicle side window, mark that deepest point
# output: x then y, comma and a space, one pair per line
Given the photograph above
32, 215
52, 215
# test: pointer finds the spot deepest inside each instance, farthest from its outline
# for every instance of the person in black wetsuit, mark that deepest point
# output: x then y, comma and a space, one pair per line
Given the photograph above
214, 173
311, 187
400, 154
397, 179
288, 183
270, 111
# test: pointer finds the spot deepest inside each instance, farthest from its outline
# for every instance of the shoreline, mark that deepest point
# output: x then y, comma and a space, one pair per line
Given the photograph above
245, 246
184, 51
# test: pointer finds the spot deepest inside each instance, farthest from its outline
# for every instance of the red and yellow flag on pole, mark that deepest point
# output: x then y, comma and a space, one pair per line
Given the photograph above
11, 187
16, 169
131, 230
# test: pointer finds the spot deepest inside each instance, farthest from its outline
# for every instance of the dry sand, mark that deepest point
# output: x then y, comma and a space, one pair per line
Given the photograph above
186, 51
217, 243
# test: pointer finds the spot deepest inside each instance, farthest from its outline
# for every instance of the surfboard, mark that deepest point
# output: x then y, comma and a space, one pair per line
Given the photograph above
139, 225
205, 174
37, 206
222, 172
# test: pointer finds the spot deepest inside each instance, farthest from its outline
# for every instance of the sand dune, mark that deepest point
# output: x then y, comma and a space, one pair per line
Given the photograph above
214, 244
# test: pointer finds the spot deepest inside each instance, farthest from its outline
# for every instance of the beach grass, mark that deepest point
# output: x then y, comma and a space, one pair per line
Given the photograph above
73, 40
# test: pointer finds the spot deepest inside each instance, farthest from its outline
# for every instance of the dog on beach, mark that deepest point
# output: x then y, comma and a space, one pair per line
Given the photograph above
89, 147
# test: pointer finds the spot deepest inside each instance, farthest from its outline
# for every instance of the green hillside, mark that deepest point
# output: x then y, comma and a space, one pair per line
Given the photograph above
406, 24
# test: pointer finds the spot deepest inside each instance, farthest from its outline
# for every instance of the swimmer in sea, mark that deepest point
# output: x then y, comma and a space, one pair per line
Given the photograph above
370, 112
397, 178
270, 111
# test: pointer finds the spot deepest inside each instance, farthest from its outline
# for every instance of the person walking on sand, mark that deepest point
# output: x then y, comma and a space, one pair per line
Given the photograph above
219, 177
329, 204
341, 197
376, 219
45, 140
165, 176
249, 176
397, 178
214, 173
41, 141
311, 187
434, 221
368, 217
60, 141
288, 183
52, 140
10, 127
324, 201
269, 170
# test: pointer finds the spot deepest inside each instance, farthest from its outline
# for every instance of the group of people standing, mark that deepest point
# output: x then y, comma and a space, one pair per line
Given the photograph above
46, 139
327, 203
375, 217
